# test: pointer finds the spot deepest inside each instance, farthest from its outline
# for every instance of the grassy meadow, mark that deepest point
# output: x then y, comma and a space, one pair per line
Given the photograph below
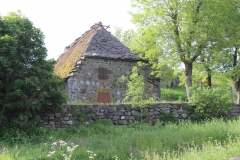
211, 139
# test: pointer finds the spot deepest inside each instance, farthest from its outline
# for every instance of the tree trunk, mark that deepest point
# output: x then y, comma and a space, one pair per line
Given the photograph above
237, 88
209, 78
236, 82
188, 77
238, 97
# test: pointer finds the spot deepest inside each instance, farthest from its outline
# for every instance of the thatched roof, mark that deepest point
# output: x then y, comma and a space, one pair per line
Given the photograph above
96, 43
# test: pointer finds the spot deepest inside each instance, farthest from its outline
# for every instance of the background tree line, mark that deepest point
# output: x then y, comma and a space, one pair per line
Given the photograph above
199, 38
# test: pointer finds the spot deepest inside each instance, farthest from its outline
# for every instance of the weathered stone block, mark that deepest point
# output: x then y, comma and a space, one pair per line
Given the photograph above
115, 113
99, 114
58, 115
123, 117
66, 118
135, 113
44, 123
128, 113
46, 117
151, 113
64, 122
73, 122
156, 112
115, 118
120, 113
51, 117
180, 110
184, 115
51, 122
130, 117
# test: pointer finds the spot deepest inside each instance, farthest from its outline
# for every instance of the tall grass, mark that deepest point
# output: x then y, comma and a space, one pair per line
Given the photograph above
184, 140
174, 94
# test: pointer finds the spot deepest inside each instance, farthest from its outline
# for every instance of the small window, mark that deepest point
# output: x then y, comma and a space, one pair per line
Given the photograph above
103, 97
102, 73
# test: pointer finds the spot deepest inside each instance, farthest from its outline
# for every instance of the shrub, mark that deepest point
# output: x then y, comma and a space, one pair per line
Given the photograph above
135, 93
210, 102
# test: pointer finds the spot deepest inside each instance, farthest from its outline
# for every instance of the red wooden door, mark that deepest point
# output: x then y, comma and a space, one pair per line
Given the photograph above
104, 97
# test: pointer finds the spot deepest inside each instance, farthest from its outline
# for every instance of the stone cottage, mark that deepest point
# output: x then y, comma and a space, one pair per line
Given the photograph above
92, 65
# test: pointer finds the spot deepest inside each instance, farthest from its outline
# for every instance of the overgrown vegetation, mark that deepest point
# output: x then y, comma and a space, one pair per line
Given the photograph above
27, 82
210, 102
210, 139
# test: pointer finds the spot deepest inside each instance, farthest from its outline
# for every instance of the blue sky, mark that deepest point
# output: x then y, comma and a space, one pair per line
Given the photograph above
62, 21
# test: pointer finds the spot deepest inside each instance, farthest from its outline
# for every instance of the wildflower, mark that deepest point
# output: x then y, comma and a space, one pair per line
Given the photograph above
50, 154
115, 157
62, 143
139, 151
91, 154
130, 149
54, 143
89, 151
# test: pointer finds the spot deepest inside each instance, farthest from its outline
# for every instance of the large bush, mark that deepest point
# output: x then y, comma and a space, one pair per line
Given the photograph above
27, 82
210, 102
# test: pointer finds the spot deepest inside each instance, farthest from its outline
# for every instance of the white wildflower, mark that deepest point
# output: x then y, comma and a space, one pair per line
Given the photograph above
50, 154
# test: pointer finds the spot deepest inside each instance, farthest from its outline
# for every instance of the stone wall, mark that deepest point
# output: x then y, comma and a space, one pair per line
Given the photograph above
84, 84
119, 114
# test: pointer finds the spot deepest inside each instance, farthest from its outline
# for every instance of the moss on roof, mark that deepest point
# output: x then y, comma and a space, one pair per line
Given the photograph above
97, 42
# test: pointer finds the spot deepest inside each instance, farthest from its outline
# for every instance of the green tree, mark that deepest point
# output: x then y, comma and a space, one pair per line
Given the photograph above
135, 93
232, 41
27, 82
174, 31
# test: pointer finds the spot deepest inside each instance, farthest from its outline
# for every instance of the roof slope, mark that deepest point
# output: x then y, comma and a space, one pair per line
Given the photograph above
97, 42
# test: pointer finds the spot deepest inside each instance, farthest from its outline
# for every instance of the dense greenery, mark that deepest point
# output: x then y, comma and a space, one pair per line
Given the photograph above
215, 139
27, 82
200, 36
210, 102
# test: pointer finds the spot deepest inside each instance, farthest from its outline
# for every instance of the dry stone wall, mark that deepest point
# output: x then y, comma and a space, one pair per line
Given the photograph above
84, 84
122, 114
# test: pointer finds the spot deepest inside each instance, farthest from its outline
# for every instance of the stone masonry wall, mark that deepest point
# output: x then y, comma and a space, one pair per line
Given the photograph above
119, 114
84, 83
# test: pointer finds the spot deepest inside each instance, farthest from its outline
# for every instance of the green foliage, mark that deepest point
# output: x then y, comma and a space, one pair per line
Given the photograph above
135, 92
217, 139
202, 35
210, 102
174, 94
27, 82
